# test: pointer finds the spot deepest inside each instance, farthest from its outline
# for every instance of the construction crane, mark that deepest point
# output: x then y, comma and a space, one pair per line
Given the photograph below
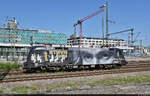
131, 30
82, 20
136, 37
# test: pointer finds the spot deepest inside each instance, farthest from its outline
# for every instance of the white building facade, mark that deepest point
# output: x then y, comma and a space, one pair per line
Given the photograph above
95, 42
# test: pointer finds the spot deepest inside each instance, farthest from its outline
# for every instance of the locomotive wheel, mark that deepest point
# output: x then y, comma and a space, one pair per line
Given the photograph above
44, 69
106, 66
116, 66
37, 70
100, 66
27, 70
24, 70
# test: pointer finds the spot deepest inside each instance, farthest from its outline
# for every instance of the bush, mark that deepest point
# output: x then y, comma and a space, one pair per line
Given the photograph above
9, 66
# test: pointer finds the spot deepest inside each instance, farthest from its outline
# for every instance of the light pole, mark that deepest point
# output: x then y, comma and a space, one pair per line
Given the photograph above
103, 22
107, 30
141, 49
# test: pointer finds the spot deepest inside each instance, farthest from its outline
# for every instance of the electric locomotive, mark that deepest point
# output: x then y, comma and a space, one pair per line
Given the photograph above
50, 58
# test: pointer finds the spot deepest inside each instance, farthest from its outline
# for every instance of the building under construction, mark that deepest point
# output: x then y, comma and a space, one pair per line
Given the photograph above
15, 43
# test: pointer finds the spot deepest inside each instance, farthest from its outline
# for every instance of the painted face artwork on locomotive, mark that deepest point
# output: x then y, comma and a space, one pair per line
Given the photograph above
76, 56
94, 56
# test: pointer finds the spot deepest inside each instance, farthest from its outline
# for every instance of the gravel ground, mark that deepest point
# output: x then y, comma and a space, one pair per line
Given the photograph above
143, 88
85, 89
42, 85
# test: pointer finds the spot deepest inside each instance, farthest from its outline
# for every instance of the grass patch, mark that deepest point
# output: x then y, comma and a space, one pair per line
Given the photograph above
49, 89
17, 76
9, 66
62, 86
54, 87
72, 85
92, 84
24, 89
122, 69
122, 80
59, 85
1, 92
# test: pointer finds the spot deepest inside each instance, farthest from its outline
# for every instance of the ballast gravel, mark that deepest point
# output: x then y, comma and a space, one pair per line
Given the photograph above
115, 89
132, 58
143, 88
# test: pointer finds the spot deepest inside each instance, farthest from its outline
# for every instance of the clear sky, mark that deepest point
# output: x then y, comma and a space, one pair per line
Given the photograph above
60, 15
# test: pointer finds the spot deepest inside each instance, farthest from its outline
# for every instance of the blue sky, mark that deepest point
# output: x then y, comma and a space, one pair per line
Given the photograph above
60, 15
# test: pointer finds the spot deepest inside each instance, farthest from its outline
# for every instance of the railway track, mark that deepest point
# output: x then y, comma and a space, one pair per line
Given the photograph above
131, 67
72, 75
131, 64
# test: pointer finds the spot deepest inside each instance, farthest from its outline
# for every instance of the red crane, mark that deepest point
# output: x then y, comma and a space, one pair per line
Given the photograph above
85, 18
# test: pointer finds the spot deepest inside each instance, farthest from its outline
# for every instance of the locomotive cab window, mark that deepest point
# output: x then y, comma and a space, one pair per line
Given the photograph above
121, 54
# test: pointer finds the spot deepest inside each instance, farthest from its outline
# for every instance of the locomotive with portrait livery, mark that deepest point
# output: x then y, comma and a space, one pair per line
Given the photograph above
59, 58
